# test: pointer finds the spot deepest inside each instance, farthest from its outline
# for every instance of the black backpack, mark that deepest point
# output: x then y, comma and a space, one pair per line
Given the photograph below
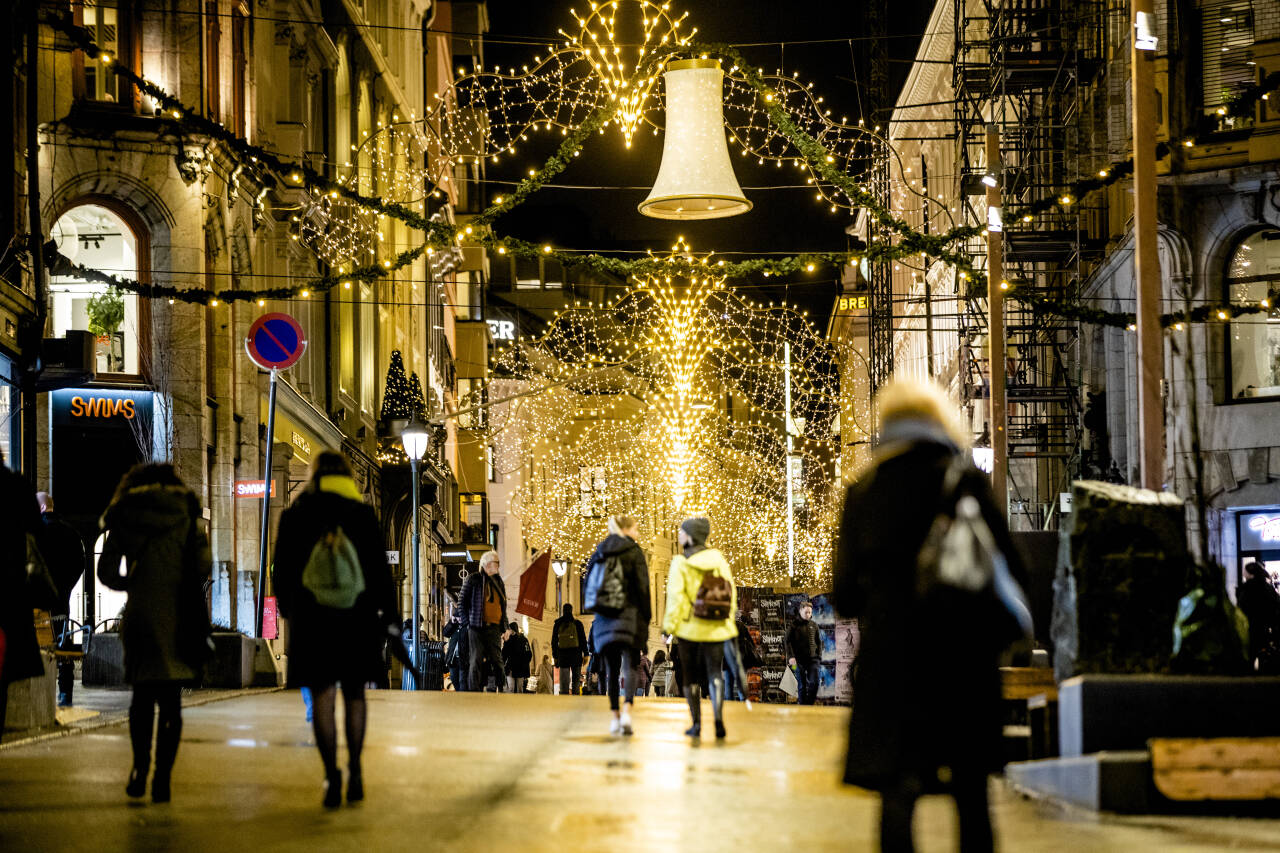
606, 589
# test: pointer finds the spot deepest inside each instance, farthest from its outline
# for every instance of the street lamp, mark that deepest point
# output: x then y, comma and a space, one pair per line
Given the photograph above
415, 437
560, 567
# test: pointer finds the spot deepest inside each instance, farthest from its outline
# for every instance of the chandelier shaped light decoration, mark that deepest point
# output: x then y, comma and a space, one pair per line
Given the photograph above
672, 407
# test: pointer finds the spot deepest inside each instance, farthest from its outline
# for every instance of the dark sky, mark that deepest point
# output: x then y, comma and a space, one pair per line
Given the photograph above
782, 220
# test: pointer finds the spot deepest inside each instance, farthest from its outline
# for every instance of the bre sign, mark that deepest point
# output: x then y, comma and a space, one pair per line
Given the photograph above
252, 488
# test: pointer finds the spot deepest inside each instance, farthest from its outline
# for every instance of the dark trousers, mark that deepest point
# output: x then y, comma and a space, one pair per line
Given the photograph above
168, 696
620, 665
486, 657
570, 678
968, 787
703, 664
807, 682
66, 667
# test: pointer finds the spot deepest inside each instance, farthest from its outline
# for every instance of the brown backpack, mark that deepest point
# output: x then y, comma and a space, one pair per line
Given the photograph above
714, 599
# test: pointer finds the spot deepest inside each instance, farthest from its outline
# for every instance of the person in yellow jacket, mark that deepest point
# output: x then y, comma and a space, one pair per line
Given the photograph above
701, 640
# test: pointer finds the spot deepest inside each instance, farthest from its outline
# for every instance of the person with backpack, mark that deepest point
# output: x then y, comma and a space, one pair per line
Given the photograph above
334, 586
701, 601
804, 646
617, 592
156, 551
568, 644
484, 611
921, 638
517, 656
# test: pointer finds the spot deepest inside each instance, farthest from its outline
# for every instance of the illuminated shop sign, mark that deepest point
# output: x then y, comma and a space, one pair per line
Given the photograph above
1259, 531
502, 330
100, 407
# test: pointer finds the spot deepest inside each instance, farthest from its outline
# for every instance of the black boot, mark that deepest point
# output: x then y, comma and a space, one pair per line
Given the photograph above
168, 737
141, 717
692, 694
332, 789
717, 706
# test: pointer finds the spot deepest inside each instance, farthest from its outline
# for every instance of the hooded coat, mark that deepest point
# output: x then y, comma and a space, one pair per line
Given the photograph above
631, 626
154, 535
328, 645
19, 515
906, 662
682, 589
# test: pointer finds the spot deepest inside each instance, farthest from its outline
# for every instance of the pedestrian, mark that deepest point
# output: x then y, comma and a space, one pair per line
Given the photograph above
335, 588
619, 636
675, 673
484, 610
457, 653
804, 646
517, 655
19, 525
568, 645
596, 685
700, 582
63, 552
644, 673
902, 742
740, 655
1260, 604
545, 676
658, 677
156, 551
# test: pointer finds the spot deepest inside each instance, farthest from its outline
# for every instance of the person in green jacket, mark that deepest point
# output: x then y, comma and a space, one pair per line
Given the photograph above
701, 641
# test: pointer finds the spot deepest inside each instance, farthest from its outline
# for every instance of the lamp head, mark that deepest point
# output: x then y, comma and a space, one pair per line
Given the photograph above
415, 439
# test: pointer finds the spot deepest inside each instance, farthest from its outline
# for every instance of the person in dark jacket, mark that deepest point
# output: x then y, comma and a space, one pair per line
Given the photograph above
457, 654
331, 645
1260, 604
901, 742
63, 551
19, 516
618, 638
157, 551
484, 609
568, 645
805, 648
740, 655
517, 656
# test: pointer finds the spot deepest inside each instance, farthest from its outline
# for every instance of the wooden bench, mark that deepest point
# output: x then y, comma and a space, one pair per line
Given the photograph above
46, 640
1034, 689
1198, 769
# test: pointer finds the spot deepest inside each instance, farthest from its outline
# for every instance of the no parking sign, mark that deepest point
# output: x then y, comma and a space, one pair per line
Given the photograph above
275, 341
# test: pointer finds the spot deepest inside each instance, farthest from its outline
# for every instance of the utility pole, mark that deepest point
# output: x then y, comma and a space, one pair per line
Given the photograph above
999, 415
789, 428
1146, 260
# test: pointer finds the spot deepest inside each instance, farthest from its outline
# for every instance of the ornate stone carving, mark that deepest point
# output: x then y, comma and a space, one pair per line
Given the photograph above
193, 163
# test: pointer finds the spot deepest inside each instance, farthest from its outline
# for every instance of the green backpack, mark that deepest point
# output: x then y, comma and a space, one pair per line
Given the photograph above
333, 574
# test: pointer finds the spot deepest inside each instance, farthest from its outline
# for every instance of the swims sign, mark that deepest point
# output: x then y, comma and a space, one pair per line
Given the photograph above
102, 408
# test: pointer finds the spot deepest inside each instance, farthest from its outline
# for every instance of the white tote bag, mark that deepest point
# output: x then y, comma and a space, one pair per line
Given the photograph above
789, 685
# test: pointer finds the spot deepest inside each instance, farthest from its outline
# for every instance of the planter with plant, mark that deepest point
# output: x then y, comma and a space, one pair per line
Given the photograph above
106, 314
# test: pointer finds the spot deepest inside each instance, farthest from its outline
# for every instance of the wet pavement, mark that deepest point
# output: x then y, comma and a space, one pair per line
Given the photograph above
482, 772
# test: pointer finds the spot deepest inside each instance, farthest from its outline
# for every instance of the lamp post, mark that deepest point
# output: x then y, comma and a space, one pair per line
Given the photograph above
414, 437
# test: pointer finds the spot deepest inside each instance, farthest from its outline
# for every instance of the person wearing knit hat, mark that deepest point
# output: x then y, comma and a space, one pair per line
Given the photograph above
700, 638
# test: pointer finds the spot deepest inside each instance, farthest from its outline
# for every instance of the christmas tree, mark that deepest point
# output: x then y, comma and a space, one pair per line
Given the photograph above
419, 402
398, 400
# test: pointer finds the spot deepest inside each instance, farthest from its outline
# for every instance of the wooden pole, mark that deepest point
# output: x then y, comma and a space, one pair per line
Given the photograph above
1146, 261
999, 415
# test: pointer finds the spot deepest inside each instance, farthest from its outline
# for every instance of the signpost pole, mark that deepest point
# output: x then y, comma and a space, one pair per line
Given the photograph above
266, 501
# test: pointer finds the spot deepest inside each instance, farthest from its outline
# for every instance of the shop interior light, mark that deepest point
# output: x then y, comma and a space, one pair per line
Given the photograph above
1144, 38
990, 180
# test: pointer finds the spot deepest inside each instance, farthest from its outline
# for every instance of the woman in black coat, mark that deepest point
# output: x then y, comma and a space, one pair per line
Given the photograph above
926, 698
330, 645
19, 516
155, 532
618, 638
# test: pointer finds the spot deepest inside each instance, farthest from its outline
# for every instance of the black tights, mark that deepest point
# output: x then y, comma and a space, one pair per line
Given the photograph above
168, 695
324, 723
968, 787
703, 665
620, 662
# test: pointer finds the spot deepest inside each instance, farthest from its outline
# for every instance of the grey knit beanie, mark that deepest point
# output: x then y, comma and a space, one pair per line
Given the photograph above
698, 529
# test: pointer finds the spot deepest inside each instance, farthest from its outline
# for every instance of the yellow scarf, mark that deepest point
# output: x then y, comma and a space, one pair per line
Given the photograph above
343, 487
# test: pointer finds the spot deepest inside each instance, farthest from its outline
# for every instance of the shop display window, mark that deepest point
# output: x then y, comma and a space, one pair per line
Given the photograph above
1253, 345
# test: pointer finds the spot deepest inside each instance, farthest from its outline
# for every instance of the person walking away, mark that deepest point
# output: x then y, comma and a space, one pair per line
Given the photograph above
644, 673
658, 676
902, 742
740, 655
517, 656
156, 551
545, 676
805, 647
675, 673
19, 524
63, 552
620, 632
568, 644
484, 607
701, 601
456, 654
595, 665
1260, 603
334, 586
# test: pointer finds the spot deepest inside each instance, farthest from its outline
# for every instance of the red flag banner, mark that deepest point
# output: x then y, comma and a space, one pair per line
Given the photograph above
533, 587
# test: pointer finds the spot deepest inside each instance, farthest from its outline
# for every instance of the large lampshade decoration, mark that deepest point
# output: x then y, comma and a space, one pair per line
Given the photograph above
695, 180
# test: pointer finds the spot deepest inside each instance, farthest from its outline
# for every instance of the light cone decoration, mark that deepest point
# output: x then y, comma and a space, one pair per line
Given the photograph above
695, 180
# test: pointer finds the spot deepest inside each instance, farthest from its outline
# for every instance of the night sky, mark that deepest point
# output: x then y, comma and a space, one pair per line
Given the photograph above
783, 220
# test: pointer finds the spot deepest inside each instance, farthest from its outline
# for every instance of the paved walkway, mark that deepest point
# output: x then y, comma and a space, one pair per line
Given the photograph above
485, 772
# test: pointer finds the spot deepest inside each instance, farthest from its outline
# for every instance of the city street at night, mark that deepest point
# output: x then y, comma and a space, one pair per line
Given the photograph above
518, 773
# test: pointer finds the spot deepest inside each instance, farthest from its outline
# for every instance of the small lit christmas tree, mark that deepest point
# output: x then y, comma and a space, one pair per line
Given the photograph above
418, 403
398, 400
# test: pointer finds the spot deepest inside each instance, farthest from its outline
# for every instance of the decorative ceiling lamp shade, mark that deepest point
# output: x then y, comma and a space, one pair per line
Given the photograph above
695, 180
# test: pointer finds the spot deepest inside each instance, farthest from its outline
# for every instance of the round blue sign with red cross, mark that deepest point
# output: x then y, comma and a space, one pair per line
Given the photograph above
275, 341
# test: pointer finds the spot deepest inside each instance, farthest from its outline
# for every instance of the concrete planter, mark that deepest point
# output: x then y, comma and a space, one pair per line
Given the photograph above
232, 664
32, 701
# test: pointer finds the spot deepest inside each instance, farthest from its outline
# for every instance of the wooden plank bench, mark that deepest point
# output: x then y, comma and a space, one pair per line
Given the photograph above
1035, 691
46, 640
1198, 769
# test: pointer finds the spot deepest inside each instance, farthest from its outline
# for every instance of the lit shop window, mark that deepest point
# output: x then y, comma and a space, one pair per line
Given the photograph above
1253, 345
97, 238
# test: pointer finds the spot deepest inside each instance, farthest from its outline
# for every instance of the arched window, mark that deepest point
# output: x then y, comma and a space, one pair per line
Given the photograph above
1253, 340
96, 237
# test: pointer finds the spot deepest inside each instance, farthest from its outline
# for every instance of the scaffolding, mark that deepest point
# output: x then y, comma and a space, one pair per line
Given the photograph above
1026, 66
